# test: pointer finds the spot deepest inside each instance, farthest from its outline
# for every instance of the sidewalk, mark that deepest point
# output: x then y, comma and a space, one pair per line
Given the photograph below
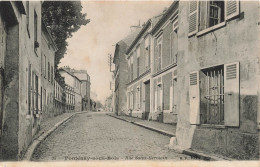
166, 129
46, 128
170, 130
48, 123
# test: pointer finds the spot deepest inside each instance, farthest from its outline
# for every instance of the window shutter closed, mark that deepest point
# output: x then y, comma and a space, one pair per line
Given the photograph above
232, 8
127, 100
231, 94
194, 98
171, 96
193, 17
161, 97
258, 114
155, 99
156, 59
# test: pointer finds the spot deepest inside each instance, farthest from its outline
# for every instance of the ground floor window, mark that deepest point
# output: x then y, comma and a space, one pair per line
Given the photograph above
212, 95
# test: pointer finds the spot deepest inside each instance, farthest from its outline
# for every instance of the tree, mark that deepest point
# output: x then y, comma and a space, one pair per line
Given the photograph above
62, 18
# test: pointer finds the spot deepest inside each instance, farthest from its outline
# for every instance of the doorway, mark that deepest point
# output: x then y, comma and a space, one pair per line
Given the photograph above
147, 100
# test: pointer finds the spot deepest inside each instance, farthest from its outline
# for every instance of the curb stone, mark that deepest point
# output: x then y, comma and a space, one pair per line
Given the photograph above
43, 136
145, 126
189, 152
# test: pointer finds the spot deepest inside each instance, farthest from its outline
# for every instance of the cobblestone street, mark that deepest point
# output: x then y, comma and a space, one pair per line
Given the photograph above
96, 136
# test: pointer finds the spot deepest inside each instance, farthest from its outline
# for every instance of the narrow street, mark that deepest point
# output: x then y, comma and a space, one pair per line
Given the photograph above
96, 136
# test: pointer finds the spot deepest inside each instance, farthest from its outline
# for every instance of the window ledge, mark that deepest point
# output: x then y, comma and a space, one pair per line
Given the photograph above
220, 25
213, 126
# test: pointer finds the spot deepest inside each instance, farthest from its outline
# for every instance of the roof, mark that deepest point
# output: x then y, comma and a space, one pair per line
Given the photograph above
49, 35
127, 41
152, 21
63, 69
165, 17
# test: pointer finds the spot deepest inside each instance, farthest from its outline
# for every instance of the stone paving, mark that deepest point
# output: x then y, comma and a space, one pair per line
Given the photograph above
96, 136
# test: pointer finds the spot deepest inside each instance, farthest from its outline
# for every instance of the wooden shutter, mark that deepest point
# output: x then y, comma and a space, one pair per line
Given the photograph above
194, 98
127, 100
156, 58
171, 96
155, 98
231, 94
258, 76
231, 8
193, 16
161, 97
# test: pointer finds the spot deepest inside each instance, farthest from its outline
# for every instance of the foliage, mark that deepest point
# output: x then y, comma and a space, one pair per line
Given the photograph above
62, 18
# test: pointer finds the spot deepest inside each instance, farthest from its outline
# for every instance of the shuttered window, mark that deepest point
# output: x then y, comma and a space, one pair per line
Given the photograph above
193, 17
232, 8
258, 76
231, 97
147, 53
206, 14
212, 95
194, 96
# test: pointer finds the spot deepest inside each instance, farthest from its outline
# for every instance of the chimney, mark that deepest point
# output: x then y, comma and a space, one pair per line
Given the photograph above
134, 28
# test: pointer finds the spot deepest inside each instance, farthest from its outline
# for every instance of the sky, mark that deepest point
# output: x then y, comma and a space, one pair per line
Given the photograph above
110, 22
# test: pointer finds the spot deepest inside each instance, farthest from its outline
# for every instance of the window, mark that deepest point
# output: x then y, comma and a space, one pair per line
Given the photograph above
147, 53
138, 98
27, 17
216, 12
44, 66
138, 61
49, 72
173, 46
29, 88
35, 31
159, 97
158, 51
131, 68
36, 95
173, 95
210, 14
212, 95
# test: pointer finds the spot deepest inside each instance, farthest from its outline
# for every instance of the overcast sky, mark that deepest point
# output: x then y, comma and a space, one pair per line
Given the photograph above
109, 22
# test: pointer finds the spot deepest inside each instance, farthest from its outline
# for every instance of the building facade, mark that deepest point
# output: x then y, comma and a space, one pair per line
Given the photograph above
204, 76
70, 98
85, 87
47, 74
139, 71
121, 73
20, 52
164, 67
59, 98
73, 89
218, 77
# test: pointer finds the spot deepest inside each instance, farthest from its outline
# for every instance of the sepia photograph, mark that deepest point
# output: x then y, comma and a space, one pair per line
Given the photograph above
129, 83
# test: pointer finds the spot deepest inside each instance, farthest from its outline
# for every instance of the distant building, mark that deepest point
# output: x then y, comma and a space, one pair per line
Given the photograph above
121, 72
59, 98
139, 71
85, 87
70, 98
73, 88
